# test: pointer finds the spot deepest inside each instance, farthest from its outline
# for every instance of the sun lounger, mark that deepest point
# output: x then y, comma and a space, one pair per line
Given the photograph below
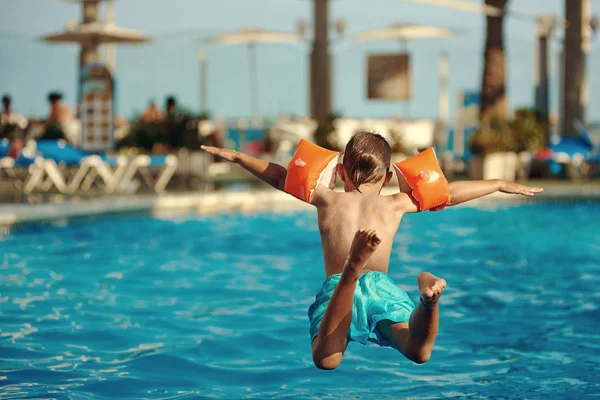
86, 166
156, 171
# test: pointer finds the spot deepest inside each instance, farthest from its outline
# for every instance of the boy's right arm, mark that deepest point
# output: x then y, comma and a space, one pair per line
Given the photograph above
271, 173
463, 191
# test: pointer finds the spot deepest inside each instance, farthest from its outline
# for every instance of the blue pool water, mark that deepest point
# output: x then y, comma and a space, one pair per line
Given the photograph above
216, 307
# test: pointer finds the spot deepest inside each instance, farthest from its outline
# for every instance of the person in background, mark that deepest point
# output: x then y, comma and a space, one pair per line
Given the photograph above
12, 127
152, 113
171, 107
176, 129
12, 124
59, 113
58, 117
15, 148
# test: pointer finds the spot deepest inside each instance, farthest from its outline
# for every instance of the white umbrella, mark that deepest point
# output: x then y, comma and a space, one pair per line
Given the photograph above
97, 33
251, 37
94, 34
90, 10
403, 32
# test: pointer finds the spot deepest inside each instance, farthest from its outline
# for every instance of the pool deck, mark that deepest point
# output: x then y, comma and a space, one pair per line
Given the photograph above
243, 201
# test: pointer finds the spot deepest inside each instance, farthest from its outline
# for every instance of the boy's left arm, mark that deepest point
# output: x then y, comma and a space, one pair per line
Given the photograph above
462, 191
271, 173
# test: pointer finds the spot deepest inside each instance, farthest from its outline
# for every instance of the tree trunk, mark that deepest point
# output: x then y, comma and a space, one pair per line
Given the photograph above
320, 64
493, 86
575, 46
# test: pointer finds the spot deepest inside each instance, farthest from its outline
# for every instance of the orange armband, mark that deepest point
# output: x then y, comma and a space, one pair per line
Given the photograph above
423, 174
310, 166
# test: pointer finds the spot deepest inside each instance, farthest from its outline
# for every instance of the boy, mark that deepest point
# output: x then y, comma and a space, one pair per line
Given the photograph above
358, 301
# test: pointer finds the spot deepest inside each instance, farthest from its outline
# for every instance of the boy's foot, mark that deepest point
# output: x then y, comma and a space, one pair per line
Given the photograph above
364, 244
431, 288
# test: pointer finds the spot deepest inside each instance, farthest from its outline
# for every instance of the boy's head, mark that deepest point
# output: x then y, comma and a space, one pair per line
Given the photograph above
366, 161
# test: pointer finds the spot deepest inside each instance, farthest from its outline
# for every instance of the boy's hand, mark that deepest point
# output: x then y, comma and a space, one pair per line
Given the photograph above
515, 188
226, 154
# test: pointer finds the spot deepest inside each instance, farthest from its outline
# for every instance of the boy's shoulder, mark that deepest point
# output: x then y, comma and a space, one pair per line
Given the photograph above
325, 197
332, 197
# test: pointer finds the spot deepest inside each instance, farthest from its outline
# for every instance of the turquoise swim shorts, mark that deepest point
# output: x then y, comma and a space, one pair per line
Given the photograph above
376, 298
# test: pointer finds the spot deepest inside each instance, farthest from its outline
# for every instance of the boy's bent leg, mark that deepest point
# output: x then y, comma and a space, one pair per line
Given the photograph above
332, 339
416, 339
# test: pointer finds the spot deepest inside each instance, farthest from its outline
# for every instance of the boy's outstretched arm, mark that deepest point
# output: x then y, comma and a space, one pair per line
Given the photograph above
462, 191
271, 173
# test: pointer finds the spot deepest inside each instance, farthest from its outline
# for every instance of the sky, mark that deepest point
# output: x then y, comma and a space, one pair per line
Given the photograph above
30, 68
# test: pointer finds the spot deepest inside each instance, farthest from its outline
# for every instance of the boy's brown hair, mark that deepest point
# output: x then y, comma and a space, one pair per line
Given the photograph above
367, 158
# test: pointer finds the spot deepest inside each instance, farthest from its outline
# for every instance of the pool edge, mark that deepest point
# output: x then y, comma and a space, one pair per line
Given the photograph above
244, 201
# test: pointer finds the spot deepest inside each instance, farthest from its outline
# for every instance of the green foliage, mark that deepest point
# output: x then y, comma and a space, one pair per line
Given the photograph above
143, 135
396, 143
526, 132
181, 131
176, 131
493, 136
325, 135
529, 130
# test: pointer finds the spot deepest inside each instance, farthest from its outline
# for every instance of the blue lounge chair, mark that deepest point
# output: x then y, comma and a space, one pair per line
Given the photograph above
21, 170
145, 165
88, 166
4, 146
567, 154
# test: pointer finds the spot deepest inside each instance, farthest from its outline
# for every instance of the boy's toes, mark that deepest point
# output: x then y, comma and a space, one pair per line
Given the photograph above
376, 240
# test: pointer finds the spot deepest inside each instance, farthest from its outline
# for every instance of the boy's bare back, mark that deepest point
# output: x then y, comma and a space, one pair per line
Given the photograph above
342, 214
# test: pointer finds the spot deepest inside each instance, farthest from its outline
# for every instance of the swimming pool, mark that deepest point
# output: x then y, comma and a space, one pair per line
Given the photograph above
216, 307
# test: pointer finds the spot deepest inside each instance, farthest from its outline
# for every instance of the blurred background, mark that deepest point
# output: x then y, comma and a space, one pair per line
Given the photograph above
107, 97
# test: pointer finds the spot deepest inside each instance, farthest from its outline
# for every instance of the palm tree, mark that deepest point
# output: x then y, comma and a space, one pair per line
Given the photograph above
493, 85
574, 71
